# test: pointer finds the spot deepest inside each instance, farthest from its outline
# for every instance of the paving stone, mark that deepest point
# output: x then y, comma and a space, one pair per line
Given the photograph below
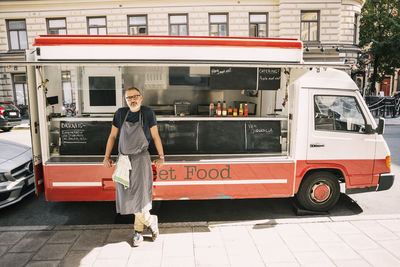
52, 252
210, 239
64, 237
80, 258
120, 235
375, 230
145, 257
320, 232
352, 263
121, 250
178, 262
313, 258
393, 246
379, 257
176, 230
359, 241
32, 241
3, 249
240, 261
15, 259
276, 254
10, 238
343, 228
110, 262
213, 256
339, 251
267, 236
175, 246
90, 239
283, 264
391, 225
296, 238
43, 264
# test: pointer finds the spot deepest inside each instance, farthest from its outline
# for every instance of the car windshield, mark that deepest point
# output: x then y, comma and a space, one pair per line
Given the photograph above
7, 106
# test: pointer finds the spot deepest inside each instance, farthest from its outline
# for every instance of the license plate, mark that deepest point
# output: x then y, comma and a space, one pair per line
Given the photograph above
12, 113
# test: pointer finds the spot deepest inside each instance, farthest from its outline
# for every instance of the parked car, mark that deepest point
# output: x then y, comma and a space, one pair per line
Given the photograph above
9, 116
16, 172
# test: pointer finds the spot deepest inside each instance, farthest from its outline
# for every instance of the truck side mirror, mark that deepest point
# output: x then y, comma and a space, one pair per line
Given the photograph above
381, 126
368, 129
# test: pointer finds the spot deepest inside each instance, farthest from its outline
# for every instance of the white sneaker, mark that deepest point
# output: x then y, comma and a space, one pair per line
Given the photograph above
137, 239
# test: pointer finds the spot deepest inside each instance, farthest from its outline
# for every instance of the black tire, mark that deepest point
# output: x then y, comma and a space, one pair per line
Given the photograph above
319, 191
6, 129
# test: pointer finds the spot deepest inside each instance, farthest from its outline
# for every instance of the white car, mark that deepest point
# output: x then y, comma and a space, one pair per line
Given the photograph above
16, 172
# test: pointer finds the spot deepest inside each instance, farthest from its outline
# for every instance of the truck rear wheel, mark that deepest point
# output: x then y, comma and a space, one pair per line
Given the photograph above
319, 192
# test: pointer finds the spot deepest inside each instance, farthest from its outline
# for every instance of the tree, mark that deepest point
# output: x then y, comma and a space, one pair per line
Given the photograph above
380, 36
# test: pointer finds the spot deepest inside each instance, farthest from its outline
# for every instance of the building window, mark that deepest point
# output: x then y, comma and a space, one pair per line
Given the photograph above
97, 26
178, 25
258, 24
20, 89
309, 26
137, 25
355, 28
17, 34
57, 26
218, 24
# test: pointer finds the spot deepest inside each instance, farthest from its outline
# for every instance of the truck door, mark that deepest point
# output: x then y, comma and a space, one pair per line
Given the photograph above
337, 135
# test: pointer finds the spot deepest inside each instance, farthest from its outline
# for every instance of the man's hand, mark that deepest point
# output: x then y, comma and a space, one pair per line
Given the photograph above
107, 162
158, 162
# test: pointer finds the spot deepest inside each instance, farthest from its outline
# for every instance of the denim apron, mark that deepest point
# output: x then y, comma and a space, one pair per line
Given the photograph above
133, 142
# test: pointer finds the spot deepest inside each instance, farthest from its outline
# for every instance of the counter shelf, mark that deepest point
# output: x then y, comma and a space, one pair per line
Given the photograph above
190, 136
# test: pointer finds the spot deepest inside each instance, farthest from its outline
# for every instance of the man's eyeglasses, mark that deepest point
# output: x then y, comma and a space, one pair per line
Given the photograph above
134, 97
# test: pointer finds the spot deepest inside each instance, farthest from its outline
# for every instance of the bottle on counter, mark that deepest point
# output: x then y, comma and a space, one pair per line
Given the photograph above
235, 113
219, 110
224, 111
246, 110
241, 110
230, 111
211, 110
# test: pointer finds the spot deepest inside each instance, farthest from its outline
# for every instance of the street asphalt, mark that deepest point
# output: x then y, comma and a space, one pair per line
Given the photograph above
318, 240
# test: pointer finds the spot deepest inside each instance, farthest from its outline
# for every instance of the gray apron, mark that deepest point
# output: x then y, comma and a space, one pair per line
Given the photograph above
133, 142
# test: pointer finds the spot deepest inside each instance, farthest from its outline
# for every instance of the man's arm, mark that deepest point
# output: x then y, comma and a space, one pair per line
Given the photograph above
157, 142
110, 144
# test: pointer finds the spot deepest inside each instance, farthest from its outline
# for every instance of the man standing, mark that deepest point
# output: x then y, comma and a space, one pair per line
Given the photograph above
136, 126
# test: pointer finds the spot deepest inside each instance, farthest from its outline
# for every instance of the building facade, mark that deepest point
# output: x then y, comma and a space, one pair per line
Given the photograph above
329, 29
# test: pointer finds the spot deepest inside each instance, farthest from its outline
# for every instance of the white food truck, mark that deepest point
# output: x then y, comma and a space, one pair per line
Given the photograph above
289, 128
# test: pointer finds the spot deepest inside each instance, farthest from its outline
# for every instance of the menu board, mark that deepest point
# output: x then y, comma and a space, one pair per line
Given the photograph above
231, 78
269, 78
85, 137
263, 136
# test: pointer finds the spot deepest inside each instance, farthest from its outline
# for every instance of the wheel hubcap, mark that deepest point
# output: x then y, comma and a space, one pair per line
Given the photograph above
320, 192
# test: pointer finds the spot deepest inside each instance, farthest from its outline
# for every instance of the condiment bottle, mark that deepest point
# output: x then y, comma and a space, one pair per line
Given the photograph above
211, 110
230, 111
219, 111
224, 111
246, 110
241, 110
235, 112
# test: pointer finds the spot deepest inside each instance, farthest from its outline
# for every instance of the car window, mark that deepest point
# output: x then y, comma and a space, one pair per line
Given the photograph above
338, 113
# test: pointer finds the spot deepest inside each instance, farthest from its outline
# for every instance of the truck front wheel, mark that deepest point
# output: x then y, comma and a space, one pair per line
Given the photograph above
319, 192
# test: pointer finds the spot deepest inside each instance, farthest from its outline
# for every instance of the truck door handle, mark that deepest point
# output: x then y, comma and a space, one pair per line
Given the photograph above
317, 145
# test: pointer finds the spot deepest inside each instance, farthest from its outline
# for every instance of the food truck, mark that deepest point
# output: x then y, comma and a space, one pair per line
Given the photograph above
284, 128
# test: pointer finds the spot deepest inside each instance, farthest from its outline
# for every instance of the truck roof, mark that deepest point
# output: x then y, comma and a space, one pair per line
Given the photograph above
327, 78
190, 48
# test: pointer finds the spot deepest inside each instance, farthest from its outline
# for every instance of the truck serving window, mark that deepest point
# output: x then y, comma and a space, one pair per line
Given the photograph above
338, 113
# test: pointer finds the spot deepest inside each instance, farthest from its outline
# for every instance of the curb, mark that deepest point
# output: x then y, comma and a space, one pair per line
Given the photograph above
210, 224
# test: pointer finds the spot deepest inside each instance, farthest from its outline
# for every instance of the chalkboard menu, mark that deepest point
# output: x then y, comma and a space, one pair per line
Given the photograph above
230, 78
221, 137
85, 137
263, 136
269, 79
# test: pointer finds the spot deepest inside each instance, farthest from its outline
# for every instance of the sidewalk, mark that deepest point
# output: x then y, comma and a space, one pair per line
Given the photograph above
316, 241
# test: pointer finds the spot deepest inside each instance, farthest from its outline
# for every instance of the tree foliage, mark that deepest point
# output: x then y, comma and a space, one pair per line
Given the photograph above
380, 36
